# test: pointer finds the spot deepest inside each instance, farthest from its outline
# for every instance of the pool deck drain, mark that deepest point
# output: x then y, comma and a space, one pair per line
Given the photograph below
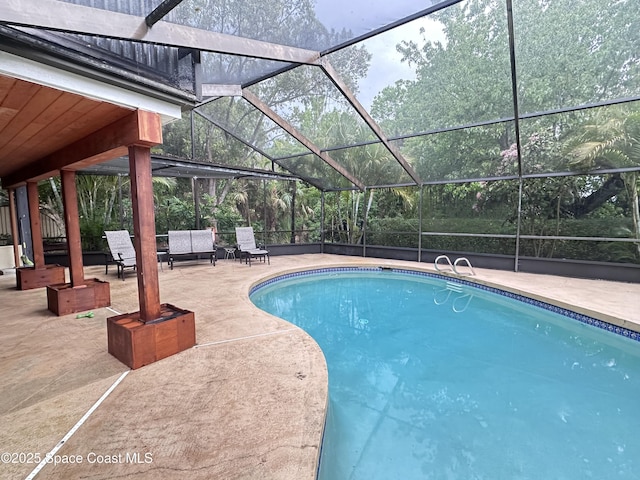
249, 405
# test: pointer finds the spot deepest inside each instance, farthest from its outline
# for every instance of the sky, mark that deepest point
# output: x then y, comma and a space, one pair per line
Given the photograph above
386, 66
364, 16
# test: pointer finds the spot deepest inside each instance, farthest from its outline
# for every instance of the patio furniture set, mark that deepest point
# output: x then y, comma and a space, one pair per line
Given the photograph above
183, 245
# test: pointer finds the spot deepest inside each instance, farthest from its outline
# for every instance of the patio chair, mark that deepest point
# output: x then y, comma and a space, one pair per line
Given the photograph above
202, 244
247, 246
179, 245
122, 251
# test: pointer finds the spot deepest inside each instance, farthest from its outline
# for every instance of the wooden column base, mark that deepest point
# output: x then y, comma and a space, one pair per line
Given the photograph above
63, 299
32, 277
137, 344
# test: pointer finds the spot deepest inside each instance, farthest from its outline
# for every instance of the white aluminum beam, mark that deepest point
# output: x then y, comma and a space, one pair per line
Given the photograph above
291, 130
213, 90
324, 64
68, 17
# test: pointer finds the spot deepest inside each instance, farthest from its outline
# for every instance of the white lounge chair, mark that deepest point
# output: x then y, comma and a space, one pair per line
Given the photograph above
122, 250
247, 245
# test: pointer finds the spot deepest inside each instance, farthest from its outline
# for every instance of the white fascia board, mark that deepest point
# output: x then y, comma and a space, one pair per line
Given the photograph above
42, 74
215, 90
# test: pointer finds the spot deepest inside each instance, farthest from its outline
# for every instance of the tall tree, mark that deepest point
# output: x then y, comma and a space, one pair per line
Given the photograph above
568, 53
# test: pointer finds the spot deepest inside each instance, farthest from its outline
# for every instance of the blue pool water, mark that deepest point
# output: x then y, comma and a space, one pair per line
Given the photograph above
430, 379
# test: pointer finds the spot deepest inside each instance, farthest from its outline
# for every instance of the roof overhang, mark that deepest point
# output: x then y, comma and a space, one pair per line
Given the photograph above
24, 69
53, 118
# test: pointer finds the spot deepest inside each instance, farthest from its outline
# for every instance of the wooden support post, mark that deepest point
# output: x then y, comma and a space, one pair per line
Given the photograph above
80, 294
144, 229
72, 226
156, 331
34, 219
15, 235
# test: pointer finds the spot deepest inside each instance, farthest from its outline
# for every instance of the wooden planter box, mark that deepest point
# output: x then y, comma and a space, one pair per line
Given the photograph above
136, 344
63, 299
31, 277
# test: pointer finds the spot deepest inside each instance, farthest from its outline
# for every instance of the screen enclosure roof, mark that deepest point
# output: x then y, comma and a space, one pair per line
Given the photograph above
348, 95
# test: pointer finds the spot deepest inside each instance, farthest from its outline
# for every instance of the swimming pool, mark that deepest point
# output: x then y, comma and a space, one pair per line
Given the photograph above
433, 378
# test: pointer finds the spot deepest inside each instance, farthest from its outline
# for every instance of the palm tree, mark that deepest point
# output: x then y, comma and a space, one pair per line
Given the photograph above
612, 141
97, 203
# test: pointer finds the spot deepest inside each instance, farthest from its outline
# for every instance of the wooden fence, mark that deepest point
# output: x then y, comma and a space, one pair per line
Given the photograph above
49, 228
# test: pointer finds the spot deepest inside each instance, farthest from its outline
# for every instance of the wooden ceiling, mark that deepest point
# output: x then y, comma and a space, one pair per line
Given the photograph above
36, 121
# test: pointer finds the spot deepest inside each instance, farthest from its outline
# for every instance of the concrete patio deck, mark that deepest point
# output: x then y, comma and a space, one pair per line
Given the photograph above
248, 402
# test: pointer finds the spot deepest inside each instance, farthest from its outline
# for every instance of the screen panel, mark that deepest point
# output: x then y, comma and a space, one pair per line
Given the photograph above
573, 53
468, 153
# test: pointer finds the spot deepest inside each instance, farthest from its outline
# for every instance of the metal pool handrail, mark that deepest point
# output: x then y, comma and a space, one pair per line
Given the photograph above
454, 265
